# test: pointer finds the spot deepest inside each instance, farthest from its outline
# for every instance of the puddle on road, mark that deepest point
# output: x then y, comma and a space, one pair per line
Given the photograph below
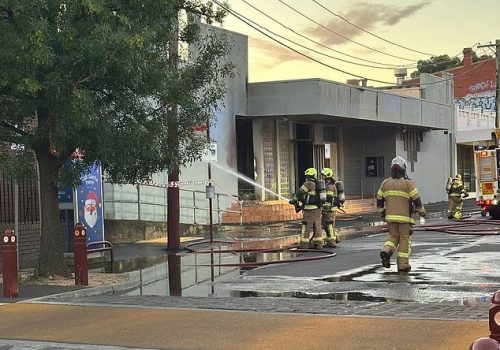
439, 282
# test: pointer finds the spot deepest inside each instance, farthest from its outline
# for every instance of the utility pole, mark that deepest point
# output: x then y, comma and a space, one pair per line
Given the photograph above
497, 90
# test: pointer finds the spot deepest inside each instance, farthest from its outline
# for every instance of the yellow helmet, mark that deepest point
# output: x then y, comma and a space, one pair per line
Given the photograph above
311, 172
458, 215
327, 172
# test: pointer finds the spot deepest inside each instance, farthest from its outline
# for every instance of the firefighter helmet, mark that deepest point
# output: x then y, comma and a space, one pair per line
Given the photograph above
311, 172
458, 177
399, 162
458, 215
327, 172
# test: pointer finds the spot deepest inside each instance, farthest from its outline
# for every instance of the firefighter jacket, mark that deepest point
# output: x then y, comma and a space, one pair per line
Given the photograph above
457, 188
331, 203
397, 199
308, 195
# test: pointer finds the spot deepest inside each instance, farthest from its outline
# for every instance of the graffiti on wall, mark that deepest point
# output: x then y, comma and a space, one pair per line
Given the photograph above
488, 85
486, 102
482, 95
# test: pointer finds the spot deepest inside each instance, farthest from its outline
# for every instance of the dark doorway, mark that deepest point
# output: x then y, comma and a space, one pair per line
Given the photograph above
304, 151
245, 156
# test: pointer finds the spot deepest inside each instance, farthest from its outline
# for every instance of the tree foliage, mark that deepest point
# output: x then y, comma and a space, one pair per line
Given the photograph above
96, 76
438, 64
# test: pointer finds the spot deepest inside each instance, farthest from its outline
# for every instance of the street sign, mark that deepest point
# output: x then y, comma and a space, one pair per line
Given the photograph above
210, 154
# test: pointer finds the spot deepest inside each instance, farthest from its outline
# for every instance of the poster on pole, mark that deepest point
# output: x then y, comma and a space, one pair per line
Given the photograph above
89, 204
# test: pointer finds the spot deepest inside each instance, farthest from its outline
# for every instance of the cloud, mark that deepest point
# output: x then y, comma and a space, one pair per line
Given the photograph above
272, 53
367, 15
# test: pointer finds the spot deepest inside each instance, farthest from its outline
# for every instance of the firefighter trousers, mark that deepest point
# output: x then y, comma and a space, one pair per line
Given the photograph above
328, 223
455, 203
311, 226
399, 239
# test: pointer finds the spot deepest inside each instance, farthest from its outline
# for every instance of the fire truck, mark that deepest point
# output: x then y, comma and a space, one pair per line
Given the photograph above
487, 164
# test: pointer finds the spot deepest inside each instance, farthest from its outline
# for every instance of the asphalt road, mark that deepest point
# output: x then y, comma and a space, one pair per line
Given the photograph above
345, 302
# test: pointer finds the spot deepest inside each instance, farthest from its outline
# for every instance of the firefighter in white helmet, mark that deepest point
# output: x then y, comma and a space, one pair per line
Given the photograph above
397, 198
330, 207
308, 196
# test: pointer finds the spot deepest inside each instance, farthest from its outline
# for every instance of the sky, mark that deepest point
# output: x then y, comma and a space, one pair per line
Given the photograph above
374, 36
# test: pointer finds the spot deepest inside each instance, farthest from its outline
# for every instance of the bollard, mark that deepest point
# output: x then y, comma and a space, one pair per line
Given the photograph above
494, 314
9, 261
485, 344
80, 255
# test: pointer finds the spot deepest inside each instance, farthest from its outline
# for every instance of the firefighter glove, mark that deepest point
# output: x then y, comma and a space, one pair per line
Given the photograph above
292, 201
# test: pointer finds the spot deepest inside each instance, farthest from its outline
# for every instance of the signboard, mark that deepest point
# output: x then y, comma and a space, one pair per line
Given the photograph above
487, 188
210, 154
65, 194
89, 204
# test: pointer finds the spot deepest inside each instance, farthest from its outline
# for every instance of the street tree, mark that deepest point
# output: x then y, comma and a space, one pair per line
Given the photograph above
96, 77
438, 64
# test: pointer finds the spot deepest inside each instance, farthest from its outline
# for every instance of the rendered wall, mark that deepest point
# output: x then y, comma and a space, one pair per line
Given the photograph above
121, 201
433, 166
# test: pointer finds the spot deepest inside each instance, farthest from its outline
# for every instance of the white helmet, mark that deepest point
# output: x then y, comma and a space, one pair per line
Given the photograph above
399, 162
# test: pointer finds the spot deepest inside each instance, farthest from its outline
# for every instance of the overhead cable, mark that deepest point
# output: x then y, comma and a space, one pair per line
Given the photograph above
389, 66
241, 18
343, 36
368, 32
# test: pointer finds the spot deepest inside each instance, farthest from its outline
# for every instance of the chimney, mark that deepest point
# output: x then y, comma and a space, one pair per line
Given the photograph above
354, 82
467, 56
400, 74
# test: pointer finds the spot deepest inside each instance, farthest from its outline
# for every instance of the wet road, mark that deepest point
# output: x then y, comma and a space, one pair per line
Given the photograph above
343, 302
452, 268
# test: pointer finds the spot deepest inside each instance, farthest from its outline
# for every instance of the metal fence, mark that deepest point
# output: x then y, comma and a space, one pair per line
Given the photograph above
25, 194
149, 203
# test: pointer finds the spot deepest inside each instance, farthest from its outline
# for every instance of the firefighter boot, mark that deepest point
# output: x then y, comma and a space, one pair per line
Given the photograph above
316, 243
304, 242
386, 259
304, 236
330, 242
404, 271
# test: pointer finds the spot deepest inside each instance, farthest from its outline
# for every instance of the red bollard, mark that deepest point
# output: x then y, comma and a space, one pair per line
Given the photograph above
494, 314
485, 344
80, 255
9, 261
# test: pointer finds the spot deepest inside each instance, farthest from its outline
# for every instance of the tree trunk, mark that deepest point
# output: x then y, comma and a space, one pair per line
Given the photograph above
51, 258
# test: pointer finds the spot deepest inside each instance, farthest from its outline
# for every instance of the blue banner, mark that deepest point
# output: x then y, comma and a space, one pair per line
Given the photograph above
89, 204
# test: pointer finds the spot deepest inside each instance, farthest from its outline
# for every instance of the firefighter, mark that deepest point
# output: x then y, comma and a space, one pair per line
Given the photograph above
456, 194
308, 195
329, 208
395, 199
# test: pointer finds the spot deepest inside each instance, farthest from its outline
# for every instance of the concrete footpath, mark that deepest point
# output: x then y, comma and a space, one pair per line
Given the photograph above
171, 328
101, 316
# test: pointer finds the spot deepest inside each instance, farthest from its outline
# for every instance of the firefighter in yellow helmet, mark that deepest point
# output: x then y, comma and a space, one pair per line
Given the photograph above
456, 194
330, 207
396, 199
308, 196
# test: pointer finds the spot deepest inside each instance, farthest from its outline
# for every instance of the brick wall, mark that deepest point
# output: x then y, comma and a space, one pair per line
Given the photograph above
259, 212
473, 78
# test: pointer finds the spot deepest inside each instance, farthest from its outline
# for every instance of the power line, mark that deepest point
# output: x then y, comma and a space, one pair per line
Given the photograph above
343, 36
308, 48
241, 18
368, 32
389, 66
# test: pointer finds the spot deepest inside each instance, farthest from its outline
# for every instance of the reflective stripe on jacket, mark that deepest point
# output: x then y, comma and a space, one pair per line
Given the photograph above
397, 195
307, 194
457, 188
331, 193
